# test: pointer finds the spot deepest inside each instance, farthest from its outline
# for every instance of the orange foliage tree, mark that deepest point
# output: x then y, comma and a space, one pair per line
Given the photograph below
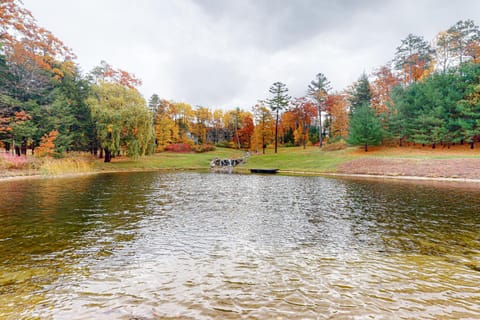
246, 132
337, 108
47, 145
381, 89
105, 72
302, 112
30, 50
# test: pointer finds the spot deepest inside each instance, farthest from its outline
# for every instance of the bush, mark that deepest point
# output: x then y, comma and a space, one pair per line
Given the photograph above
178, 147
203, 148
10, 161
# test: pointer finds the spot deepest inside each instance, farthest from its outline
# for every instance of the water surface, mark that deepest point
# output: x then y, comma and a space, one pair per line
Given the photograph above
202, 246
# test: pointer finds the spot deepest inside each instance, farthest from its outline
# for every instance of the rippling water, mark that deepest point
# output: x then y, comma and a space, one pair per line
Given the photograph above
202, 246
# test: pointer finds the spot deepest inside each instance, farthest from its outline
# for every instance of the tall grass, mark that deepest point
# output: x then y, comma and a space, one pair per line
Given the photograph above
53, 167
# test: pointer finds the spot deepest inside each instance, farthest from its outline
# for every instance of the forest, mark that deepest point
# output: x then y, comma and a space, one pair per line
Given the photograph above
427, 94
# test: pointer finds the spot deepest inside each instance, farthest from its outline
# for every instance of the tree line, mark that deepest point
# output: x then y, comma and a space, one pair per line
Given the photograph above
427, 94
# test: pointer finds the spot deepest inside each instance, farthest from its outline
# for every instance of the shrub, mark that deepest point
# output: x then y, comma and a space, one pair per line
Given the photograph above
178, 147
10, 161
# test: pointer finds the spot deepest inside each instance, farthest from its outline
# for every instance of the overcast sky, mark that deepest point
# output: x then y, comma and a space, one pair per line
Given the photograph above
227, 53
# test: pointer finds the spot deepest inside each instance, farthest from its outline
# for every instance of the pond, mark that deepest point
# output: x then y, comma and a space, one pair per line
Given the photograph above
202, 246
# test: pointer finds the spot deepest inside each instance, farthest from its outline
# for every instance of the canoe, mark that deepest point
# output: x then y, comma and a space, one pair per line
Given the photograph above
267, 171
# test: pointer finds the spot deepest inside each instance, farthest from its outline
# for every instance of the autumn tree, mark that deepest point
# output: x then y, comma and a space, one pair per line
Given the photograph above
337, 108
303, 111
47, 145
166, 131
318, 90
264, 126
413, 58
444, 50
463, 36
277, 103
32, 52
382, 88
183, 115
245, 133
203, 118
105, 72
217, 121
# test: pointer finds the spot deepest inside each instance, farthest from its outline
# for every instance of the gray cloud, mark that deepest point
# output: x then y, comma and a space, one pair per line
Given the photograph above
206, 81
227, 53
275, 24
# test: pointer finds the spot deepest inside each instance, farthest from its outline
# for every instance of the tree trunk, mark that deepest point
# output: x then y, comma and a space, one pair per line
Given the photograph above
366, 147
320, 136
101, 153
263, 143
17, 151
276, 132
108, 155
472, 145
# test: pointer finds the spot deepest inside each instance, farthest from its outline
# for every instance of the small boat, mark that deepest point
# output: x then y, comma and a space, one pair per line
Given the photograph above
266, 171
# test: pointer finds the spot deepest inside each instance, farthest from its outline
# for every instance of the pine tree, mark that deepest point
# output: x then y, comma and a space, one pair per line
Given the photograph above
365, 127
361, 93
278, 102
318, 90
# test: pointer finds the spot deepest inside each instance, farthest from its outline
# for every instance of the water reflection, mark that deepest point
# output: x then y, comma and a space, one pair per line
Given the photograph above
206, 246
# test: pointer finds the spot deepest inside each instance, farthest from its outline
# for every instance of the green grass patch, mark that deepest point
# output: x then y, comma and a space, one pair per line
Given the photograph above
170, 161
311, 159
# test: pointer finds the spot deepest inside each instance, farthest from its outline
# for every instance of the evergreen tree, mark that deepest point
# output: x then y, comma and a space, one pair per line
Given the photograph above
318, 90
365, 127
154, 102
361, 93
277, 103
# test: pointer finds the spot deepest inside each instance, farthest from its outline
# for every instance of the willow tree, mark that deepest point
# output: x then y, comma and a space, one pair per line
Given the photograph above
278, 102
122, 120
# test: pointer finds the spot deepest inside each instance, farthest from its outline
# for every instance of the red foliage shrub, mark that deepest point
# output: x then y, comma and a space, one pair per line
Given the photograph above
178, 147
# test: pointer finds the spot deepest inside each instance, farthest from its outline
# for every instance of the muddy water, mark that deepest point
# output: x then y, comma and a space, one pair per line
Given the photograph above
203, 246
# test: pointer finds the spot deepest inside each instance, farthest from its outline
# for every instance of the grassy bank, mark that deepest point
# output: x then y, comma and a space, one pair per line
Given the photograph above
295, 159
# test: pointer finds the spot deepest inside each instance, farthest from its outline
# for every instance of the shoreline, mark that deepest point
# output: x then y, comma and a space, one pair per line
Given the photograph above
466, 181
380, 176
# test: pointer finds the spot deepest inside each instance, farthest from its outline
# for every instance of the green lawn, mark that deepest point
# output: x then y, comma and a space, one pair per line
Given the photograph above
295, 159
311, 159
